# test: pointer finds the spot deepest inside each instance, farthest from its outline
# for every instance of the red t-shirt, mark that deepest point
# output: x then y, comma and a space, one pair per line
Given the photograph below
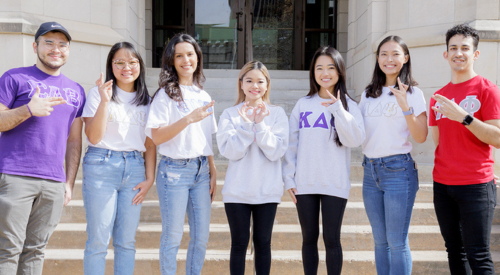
461, 158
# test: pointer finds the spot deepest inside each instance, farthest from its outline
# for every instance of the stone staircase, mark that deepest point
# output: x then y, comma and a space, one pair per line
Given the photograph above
64, 252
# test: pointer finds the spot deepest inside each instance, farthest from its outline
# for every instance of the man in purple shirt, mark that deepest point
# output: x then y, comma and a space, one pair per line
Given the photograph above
40, 132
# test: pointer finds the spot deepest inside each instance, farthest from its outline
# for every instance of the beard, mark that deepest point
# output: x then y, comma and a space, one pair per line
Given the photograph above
49, 65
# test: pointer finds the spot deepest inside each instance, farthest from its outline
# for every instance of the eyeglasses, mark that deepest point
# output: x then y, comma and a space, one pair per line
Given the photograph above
120, 64
51, 45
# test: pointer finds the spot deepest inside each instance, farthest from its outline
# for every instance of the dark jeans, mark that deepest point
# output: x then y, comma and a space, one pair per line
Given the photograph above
465, 216
332, 210
238, 216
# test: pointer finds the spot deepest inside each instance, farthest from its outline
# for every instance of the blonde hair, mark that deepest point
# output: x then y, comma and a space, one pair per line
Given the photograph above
253, 65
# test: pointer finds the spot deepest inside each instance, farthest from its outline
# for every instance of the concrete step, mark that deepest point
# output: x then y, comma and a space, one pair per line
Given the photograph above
423, 213
285, 237
223, 86
424, 194
286, 262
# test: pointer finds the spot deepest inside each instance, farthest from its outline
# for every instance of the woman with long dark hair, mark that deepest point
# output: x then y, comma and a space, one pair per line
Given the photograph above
323, 126
181, 123
393, 109
116, 176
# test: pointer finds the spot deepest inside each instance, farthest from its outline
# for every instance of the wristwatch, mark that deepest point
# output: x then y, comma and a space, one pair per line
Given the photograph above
409, 112
467, 120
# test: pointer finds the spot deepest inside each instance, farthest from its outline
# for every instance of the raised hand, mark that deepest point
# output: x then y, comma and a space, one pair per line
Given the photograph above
43, 106
200, 113
105, 88
449, 108
261, 112
400, 95
333, 99
247, 112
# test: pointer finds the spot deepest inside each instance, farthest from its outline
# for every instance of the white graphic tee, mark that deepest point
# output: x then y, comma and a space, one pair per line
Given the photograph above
196, 139
385, 125
126, 121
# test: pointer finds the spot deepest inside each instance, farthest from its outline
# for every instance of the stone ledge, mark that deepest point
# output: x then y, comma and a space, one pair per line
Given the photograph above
26, 23
489, 30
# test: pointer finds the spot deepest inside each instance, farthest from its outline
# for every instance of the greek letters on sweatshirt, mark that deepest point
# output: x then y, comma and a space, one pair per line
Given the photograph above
254, 151
313, 163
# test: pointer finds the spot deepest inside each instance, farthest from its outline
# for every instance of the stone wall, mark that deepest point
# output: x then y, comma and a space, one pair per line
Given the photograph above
94, 25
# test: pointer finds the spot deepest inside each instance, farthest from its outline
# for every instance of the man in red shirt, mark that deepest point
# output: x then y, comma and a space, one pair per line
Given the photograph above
465, 124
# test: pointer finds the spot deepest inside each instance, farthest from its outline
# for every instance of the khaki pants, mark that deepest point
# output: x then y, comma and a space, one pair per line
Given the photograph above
30, 209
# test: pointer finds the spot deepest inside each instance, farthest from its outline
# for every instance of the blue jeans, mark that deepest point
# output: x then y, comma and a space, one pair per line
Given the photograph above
108, 179
183, 186
390, 185
465, 215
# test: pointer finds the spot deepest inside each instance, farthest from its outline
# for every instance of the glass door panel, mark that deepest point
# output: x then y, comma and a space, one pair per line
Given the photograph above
320, 27
272, 33
168, 20
216, 32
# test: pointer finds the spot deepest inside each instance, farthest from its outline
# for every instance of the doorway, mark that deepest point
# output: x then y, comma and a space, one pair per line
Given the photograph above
234, 32
283, 34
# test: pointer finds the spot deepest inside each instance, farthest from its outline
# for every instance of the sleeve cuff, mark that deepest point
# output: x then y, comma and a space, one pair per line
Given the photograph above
335, 107
247, 126
260, 127
290, 184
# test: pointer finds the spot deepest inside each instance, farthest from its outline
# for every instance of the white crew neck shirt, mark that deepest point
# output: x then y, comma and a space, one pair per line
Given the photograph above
196, 139
385, 125
125, 121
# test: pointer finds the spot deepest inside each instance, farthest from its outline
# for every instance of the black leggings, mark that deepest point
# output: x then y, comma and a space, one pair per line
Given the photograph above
332, 210
238, 216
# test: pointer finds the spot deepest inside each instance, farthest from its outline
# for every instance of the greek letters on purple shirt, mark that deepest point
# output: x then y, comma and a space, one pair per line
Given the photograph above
71, 96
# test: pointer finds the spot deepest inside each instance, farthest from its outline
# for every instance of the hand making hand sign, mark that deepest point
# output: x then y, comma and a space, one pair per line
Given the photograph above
331, 102
105, 88
200, 113
401, 95
43, 106
247, 112
261, 112
449, 108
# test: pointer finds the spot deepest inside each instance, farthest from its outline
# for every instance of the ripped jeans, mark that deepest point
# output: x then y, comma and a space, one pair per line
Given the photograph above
183, 186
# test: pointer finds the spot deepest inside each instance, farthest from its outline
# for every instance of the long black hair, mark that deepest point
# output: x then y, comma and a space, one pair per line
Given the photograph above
374, 89
339, 64
168, 75
141, 96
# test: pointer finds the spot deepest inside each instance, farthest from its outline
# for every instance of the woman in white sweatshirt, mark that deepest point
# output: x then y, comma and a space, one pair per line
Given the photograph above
253, 135
323, 126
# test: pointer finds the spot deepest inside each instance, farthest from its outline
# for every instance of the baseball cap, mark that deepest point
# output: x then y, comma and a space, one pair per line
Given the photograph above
49, 27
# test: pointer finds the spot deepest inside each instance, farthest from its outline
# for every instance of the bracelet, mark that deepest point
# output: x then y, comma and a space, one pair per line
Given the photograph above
29, 109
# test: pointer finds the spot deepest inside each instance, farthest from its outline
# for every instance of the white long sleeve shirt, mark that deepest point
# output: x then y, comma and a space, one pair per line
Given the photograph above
254, 151
313, 163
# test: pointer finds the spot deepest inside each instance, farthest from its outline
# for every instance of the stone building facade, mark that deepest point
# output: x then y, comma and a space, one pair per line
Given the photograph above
359, 25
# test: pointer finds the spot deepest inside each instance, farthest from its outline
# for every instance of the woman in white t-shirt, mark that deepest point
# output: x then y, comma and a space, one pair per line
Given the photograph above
393, 109
181, 123
116, 176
